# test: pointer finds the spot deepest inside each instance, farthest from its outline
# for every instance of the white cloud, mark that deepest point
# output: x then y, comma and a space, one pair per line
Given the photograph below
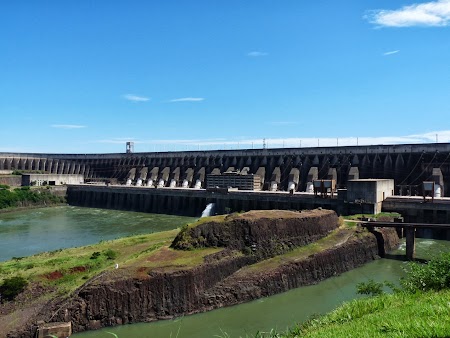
67, 126
248, 143
256, 54
391, 52
433, 13
188, 99
135, 98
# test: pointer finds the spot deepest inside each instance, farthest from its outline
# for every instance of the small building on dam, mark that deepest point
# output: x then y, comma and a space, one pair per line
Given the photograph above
310, 177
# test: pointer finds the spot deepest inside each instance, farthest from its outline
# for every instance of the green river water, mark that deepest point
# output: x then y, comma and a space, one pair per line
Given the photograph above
28, 232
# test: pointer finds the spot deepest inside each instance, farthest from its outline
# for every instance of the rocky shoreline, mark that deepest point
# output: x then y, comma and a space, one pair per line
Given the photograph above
228, 277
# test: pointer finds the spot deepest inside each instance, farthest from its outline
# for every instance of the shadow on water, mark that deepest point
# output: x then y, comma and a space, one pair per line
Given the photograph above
402, 258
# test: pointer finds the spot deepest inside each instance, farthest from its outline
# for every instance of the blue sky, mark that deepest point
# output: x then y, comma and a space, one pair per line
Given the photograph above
86, 76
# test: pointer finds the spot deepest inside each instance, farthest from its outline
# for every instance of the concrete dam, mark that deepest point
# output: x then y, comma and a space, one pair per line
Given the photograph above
284, 169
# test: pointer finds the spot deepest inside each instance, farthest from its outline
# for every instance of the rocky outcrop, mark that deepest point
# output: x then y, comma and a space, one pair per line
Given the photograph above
311, 270
387, 239
265, 233
225, 278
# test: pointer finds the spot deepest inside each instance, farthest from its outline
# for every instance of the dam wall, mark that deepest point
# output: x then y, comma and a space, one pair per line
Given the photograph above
280, 169
189, 202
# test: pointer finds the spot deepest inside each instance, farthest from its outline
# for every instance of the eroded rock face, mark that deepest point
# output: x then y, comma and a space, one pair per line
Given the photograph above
266, 233
222, 279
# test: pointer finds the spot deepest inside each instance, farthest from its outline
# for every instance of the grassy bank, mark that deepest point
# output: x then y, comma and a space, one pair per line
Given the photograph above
25, 196
421, 314
67, 269
419, 308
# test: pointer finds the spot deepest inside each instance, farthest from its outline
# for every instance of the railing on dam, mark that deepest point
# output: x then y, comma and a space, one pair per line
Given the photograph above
279, 169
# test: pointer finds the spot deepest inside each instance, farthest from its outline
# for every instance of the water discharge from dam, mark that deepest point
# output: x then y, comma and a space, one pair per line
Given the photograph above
208, 210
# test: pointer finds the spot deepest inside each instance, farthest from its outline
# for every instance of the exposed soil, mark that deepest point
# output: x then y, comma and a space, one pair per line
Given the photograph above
78, 269
138, 294
54, 275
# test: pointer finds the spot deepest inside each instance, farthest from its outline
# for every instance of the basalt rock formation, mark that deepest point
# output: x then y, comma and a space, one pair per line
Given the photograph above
265, 233
248, 267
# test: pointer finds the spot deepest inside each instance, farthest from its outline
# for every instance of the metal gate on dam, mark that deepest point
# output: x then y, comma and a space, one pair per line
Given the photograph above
278, 169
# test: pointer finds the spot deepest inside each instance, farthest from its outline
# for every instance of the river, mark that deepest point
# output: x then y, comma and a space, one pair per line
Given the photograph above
28, 232
275, 312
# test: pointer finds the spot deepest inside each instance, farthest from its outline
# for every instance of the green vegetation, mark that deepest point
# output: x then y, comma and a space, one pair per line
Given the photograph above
352, 220
66, 270
24, 196
334, 238
382, 216
420, 308
11, 287
184, 241
435, 275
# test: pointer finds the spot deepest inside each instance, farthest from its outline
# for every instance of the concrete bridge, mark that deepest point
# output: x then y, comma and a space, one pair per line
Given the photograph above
408, 230
280, 169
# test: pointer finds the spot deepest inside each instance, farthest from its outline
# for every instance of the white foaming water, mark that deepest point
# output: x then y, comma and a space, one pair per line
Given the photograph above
149, 183
198, 184
208, 210
185, 184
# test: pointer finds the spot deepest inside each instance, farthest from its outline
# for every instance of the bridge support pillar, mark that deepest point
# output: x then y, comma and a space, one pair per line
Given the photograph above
410, 242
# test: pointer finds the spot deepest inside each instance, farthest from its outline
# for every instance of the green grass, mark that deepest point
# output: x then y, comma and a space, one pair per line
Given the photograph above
395, 315
68, 269
421, 314
420, 308
336, 237
378, 217
69, 262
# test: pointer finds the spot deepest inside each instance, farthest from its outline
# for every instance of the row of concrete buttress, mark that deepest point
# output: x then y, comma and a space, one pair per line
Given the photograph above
279, 179
46, 165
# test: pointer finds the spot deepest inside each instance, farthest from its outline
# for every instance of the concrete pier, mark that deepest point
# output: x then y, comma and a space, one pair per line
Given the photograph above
410, 243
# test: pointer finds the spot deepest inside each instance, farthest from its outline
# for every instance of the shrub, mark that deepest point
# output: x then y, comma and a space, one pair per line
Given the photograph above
95, 255
11, 287
371, 288
110, 254
433, 275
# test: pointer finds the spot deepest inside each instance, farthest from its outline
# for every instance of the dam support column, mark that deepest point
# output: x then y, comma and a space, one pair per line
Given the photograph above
410, 243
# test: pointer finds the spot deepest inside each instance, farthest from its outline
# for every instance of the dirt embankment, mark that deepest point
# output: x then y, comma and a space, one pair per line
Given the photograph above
225, 278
